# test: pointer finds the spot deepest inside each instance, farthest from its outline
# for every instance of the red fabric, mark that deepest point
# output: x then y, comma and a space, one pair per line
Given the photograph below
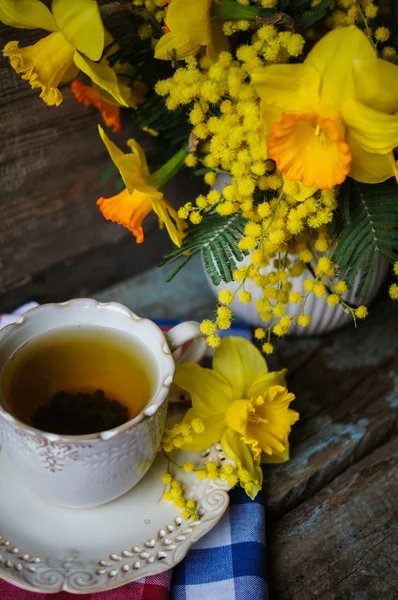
149, 588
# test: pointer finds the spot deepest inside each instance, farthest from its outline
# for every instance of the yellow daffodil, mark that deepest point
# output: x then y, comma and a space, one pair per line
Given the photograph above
141, 195
76, 42
335, 114
190, 27
242, 406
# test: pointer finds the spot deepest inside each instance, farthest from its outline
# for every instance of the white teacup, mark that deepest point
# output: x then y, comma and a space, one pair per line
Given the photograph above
89, 470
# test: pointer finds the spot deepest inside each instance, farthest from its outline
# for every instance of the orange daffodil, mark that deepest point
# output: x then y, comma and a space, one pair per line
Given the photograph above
190, 27
335, 114
141, 195
242, 406
76, 41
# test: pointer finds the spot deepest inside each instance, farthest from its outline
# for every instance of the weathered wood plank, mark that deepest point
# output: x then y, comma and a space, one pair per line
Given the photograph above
51, 159
346, 384
342, 544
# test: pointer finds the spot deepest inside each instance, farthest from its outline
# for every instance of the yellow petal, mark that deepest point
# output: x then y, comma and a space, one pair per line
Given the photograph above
130, 169
278, 457
334, 57
212, 434
114, 152
138, 151
80, 22
219, 41
26, 14
376, 84
303, 192
373, 130
240, 363
181, 43
169, 217
262, 383
291, 88
128, 210
237, 415
367, 167
44, 64
192, 17
239, 452
103, 76
210, 392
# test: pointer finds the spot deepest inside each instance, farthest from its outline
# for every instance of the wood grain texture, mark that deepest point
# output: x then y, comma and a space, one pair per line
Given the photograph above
51, 159
346, 385
342, 544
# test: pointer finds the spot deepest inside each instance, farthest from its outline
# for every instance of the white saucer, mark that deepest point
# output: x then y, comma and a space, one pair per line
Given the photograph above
47, 548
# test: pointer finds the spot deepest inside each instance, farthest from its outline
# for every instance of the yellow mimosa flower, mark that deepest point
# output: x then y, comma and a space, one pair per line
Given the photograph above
242, 406
130, 207
190, 27
335, 114
76, 42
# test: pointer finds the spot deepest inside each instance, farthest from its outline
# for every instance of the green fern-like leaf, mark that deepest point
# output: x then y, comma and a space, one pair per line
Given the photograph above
217, 239
366, 228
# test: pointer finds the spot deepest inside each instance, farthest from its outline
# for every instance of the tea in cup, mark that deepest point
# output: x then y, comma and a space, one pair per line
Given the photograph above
83, 397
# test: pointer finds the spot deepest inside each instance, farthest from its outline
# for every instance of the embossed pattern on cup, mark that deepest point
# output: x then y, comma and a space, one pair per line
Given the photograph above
86, 471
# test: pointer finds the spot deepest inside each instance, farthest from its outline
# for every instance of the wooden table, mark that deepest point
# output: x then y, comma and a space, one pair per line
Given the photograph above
333, 508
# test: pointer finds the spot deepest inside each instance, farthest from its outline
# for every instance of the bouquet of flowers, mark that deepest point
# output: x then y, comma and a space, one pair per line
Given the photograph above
287, 108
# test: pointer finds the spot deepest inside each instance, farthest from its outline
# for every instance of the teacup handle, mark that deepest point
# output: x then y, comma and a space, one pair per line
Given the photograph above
182, 333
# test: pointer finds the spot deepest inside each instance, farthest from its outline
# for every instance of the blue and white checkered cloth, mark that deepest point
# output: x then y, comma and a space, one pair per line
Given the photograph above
230, 562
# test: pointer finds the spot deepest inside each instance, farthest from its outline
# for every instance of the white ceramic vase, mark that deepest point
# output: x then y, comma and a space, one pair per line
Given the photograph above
323, 317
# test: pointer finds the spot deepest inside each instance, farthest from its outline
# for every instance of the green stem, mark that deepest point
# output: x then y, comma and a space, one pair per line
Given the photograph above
169, 169
231, 10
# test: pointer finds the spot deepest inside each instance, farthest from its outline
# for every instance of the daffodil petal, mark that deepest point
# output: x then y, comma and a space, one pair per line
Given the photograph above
137, 149
334, 58
182, 44
114, 152
210, 392
80, 22
376, 84
169, 216
374, 131
291, 88
239, 362
263, 382
27, 14
233, 447
278, 457
213, 432
103, 76
199, 14
219, 41
368, 167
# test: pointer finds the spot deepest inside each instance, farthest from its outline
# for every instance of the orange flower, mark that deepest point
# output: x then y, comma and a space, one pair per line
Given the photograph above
89, 95
141, 195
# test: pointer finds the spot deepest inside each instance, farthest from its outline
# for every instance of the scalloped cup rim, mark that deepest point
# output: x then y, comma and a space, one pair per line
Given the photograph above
157, 399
